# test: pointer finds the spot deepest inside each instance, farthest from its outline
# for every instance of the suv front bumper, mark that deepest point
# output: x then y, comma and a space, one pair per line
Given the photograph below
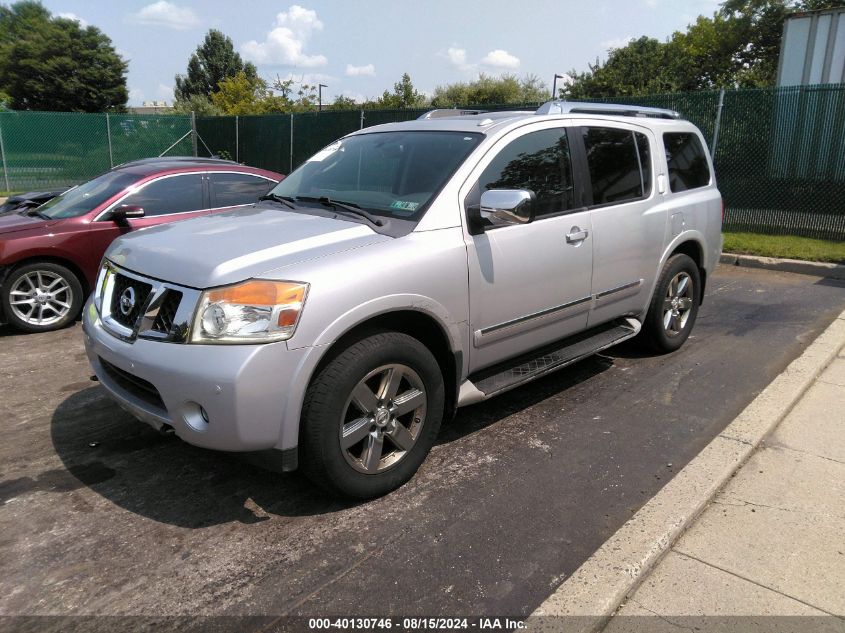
222, 397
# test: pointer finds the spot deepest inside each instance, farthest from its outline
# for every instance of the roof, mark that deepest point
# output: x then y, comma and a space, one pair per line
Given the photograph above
149, 166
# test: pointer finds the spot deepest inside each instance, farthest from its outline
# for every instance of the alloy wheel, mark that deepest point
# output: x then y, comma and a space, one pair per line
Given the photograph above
677, 304
41, 297
383, 418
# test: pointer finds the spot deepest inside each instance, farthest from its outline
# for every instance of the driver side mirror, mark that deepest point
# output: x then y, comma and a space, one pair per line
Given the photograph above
502, 207
126, 212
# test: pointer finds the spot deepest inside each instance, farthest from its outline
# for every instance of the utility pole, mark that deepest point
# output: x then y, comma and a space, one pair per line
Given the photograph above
194, 132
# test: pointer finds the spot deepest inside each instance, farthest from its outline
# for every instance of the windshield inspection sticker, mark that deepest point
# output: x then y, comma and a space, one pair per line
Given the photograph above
402, 205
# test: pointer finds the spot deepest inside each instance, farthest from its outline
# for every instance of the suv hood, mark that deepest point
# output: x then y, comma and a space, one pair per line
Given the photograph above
225, 248
14, 222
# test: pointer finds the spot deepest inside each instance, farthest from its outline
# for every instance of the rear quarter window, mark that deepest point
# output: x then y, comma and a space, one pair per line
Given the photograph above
687, 161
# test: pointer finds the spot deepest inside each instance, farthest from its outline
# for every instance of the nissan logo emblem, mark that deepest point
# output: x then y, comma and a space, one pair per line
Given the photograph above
127, 301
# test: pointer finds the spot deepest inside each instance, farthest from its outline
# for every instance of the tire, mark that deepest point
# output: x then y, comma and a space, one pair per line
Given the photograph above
41, 297
674, 305
351, 443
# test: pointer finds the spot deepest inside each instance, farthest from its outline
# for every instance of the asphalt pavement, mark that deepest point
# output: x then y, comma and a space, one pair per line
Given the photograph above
101, 515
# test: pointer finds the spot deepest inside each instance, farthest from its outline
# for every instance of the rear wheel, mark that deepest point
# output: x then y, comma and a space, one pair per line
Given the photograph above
42, 296
674, 306
371, 415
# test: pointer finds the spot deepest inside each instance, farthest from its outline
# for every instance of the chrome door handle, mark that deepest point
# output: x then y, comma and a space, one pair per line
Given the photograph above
577, 235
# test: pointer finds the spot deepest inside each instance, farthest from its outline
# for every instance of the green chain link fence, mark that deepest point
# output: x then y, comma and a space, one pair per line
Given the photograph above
53, 149
779, 153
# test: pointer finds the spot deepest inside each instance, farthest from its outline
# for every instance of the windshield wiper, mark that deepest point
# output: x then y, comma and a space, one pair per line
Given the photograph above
36, 212
348, 207
288, 202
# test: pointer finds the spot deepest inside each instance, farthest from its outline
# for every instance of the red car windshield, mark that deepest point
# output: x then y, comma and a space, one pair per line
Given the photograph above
84, 198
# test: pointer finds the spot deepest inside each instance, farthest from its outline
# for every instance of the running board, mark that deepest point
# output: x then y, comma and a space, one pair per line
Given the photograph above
526, 368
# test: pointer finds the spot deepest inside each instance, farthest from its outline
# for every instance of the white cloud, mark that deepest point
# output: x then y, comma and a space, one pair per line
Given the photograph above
500, 59
616, 42
285, 44
166, 14
651, 4
497, 59
458, 58
67, 15
136, 95
164, 92
358, 71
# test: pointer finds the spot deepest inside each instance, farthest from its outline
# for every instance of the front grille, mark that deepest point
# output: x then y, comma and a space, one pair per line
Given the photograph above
141, 292
138, 387
167, 312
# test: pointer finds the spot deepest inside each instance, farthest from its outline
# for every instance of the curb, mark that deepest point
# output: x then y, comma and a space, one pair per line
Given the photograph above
817, 269
593, 593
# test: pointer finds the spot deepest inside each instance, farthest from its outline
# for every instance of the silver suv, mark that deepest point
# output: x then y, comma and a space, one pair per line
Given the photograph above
402, 272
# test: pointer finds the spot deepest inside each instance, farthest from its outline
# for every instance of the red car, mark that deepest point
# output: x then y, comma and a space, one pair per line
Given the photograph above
49, 255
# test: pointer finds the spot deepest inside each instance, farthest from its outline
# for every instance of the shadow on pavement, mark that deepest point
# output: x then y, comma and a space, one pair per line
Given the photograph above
168, 480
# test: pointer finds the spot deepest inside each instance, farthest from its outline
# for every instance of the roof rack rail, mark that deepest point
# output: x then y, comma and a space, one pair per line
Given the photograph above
442, 113
613, 109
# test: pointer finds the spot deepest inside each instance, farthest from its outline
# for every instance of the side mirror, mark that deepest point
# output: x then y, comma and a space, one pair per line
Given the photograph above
126, 212
502, 207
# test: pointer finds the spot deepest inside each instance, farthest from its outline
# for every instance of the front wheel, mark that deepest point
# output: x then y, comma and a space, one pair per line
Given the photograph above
42, 296
371, 415
674, 305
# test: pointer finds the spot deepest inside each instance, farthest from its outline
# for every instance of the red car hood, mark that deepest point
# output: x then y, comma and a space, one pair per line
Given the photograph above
14, 222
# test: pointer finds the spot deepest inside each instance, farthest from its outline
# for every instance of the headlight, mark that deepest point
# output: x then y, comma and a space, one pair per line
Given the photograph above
100, 289
256, 311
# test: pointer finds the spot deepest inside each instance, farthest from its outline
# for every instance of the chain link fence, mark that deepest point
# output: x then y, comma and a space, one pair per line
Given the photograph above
42, 150
779, 153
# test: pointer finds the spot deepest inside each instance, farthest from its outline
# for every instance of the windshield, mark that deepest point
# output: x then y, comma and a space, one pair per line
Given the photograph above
84, 198
391, 174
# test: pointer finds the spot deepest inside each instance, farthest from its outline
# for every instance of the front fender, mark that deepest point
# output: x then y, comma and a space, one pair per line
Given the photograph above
346, 322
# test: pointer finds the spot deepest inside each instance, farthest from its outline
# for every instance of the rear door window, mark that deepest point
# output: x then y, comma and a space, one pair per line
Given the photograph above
171, 194
229, 189
688, 168
619, 162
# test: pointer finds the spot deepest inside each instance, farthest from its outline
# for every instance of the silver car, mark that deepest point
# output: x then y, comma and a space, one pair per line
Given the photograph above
402, 272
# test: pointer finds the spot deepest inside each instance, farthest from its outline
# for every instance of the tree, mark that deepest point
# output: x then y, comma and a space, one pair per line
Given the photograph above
640, 67
491, 90
738, 47
241, 94
200, 105
214, 60
342, 102
51, 63
404, 95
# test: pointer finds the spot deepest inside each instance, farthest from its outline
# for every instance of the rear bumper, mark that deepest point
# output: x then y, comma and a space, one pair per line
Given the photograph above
222, 397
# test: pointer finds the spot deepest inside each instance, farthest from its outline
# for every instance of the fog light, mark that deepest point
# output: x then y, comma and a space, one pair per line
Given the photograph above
195, 416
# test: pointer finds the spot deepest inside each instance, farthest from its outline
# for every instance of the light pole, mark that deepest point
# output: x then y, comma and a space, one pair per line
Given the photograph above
320, 96
554, 86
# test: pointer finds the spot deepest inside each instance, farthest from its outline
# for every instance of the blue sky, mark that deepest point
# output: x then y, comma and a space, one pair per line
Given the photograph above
360, 48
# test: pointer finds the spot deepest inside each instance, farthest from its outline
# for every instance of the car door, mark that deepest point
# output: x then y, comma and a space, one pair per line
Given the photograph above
164, 199
233, 189
529, 284
627, 215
